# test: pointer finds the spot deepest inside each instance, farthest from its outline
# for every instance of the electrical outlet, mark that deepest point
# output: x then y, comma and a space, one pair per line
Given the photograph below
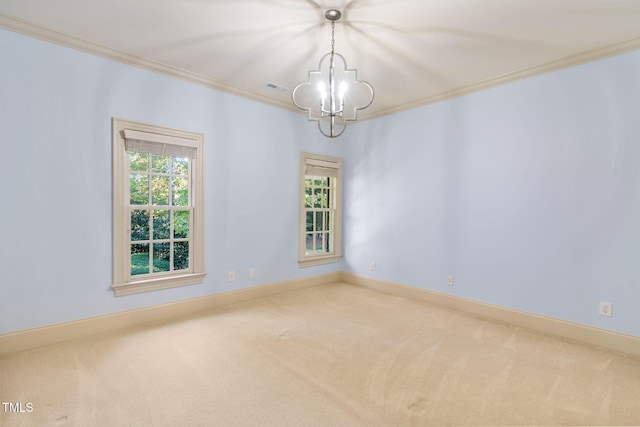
232, 276
373, 266
252, 273
605, 309
450, 280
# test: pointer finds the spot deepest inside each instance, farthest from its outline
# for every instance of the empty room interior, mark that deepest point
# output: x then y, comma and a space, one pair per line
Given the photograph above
320, 213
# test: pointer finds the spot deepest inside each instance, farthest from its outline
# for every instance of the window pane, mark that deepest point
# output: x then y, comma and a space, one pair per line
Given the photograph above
308, 198
180, 191
317, 197
139, 225
181, 224
138, 189
326, 243
160, 190
161, 225
319, 221
161, 257
180, 165
181, 255
325, 198
319, 242
309, 244
309, 221
138, 161
328, 223
160, 163
139, 259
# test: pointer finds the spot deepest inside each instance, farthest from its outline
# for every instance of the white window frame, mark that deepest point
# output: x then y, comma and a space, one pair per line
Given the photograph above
310, 162
123, 282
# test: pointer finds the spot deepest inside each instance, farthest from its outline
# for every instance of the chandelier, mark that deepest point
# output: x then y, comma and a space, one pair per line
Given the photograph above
333, 95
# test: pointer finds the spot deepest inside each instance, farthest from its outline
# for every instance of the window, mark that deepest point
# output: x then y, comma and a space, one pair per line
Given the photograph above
157, 208
320, 212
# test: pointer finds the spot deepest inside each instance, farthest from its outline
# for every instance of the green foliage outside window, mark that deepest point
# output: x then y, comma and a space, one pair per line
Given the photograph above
159, 185
318, 220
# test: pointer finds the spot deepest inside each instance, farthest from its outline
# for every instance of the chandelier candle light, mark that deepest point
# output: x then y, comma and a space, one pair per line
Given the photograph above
333, 95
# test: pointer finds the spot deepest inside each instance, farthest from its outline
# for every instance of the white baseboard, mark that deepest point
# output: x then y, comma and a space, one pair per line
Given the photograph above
623, 343
59, 332
52, 334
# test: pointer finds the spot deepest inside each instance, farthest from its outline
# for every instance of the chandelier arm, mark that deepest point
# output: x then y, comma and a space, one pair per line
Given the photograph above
373, 94
332, 134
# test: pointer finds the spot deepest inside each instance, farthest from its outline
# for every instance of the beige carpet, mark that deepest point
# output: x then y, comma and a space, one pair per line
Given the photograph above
336, 355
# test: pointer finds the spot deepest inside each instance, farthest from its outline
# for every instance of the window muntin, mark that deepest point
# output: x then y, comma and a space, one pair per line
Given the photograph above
320, 217
157, 207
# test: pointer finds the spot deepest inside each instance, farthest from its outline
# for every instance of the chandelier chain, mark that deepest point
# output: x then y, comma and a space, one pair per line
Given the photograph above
333, 31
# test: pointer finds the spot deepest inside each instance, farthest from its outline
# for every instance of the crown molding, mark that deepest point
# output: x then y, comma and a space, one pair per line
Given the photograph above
567, 62
27, 28
30, 29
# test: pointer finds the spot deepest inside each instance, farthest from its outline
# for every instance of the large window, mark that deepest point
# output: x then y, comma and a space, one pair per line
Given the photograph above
157, 207
320, 213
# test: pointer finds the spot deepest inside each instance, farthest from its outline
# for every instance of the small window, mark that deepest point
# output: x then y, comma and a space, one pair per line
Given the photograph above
157, 207
320, 213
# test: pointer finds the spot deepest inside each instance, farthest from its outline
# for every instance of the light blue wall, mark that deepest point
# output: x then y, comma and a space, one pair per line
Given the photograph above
56, 106
529, 194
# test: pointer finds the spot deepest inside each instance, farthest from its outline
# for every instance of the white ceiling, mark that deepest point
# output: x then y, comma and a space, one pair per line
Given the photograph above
411, 51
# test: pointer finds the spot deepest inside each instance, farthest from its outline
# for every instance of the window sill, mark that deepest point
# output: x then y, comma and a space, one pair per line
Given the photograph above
309, 262
157, 284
